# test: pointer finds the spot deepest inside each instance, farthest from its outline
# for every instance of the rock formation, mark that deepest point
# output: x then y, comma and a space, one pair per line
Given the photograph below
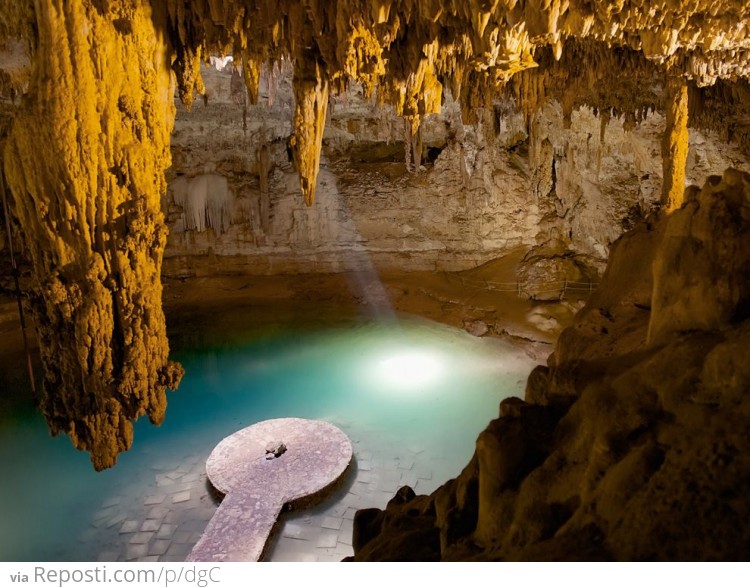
566, 183
632, 443
85, 161
409, 50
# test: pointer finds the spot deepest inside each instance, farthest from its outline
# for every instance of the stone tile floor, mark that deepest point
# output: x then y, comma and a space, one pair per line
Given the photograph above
161, 515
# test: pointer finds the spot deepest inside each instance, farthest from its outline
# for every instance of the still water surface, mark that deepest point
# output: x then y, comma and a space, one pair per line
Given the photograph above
411, 394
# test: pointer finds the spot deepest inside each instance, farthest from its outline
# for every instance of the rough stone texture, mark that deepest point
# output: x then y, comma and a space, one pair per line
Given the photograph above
566, 183
256, 488
675, 144
85, 161
455, 214
633, 443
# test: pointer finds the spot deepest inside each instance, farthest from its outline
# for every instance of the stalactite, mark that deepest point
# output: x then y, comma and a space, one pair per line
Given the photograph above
85, 162
409, 50
187, 67
675, 143
251, 72
311, 96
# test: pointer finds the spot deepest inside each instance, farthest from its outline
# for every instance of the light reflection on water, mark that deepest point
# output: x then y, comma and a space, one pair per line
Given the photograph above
413, 391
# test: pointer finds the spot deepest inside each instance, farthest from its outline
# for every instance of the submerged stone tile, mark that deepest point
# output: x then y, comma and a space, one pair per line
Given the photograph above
141, 537
150, 525
129, 526
182, 549
364, 477
159, 547
408, 479
166, 531
359, 489
181, 497
182, 537
331, 523
327, 539
172, 517
292, 531
291, 549
158, 513
136, 551
154, 499
346, 532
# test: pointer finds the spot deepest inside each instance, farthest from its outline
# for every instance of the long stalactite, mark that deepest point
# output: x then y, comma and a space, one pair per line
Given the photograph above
85, 161
675, 144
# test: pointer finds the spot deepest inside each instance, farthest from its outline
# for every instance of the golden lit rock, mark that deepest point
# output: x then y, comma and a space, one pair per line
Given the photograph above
675, 145
311, 96
409, 50
85, 161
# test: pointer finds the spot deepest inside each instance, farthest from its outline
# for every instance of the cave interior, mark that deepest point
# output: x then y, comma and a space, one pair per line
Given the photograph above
569, 178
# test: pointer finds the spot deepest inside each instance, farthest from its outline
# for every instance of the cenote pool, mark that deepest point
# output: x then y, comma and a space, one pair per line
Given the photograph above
412, 395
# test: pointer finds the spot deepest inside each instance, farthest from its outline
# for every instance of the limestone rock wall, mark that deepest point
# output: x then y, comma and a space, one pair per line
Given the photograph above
632, 443
570, 186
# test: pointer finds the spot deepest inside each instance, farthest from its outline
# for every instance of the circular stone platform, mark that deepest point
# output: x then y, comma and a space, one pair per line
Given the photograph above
258, 484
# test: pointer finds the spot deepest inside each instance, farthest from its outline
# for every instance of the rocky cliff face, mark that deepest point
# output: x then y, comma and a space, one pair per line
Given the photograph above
632, 443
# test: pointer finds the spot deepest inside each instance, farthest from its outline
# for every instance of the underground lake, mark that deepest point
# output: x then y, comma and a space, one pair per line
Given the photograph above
411, 395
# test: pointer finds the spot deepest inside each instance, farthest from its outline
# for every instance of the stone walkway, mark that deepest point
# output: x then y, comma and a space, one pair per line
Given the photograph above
260, 469
162, 513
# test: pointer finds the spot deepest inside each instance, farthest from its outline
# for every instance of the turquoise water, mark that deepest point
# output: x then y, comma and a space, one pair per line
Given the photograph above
412, 395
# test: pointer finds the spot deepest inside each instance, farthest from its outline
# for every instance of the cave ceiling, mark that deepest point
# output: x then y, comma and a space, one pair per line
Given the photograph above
86, 153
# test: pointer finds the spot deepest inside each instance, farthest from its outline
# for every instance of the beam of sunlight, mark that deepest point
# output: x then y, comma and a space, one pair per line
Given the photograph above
355, 260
